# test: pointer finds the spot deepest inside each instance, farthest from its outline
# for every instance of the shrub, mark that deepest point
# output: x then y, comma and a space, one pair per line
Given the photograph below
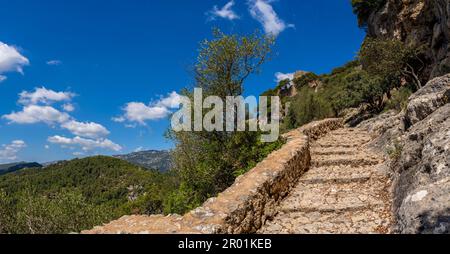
399, 99
305, 79
64, 212
306, 107
395, 151
182, 200
391, 60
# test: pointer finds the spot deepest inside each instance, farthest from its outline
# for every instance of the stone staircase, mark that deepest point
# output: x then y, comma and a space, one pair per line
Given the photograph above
323, 180
345, 191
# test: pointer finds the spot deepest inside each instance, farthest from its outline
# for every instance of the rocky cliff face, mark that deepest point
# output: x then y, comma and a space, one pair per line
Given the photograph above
417, 22
419, 143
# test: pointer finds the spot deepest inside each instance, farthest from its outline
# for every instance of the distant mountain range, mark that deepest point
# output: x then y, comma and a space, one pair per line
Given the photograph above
13, 167
158, 160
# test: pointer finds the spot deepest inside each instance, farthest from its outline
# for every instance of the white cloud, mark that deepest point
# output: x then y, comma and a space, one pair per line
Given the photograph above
119, 119
2, 78
140, 113
43, 95
225, 12
11, 60
47, 147
89, 135
263, 12
54, 62
68, 107
279, 76
85, 144
37, 114
89, 130
130, 126
171, 102
9, 152
46, 114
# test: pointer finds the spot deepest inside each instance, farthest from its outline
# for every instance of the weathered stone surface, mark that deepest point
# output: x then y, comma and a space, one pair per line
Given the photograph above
420, 167
338, 195
420, 23
422, 180
425, 101
386, 127
375, 221
245, 206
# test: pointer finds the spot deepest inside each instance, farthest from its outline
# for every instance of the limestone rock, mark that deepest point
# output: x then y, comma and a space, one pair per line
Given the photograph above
422, 182
420, 23
421, 167
425, 101
387, 128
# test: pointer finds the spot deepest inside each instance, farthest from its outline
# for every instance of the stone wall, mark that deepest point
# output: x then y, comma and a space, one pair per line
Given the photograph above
245, 206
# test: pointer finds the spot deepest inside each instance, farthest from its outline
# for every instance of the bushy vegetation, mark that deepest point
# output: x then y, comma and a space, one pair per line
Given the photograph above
399, 99
392, 60
395, 151
63, 212
76, 195
80, 194
364, 8
209, 162
305, 79
346, 87
383, 77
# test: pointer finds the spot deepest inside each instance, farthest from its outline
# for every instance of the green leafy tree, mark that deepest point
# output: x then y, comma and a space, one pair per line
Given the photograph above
208, 162
225, 62
391, 60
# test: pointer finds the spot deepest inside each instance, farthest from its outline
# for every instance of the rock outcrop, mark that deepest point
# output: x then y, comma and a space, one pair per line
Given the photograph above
420, 23
427, 100
422, 185
418, 140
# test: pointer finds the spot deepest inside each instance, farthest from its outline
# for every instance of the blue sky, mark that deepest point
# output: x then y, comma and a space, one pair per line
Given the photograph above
86, 77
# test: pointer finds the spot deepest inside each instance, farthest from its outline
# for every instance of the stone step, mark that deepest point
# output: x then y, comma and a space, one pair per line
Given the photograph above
369, 221
338, 145
343, 139
349, 135
342, 193
352, 160
332, 151
337, 175
333, 197
345, 132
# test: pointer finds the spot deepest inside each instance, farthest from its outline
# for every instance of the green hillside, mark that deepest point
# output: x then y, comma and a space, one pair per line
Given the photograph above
13, 167
77, 195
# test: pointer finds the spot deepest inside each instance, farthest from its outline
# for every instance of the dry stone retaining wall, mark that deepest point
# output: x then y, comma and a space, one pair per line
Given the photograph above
245, 206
